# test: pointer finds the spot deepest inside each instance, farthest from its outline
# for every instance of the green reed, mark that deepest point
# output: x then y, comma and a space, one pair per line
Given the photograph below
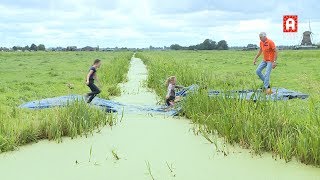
287, 129
76, 119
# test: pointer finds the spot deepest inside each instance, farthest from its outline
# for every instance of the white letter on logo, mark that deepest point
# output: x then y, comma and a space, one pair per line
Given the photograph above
290, 23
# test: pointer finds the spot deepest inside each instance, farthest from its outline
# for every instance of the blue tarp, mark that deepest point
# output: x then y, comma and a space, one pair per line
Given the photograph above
112, 106
277, 94
107, 105
185, 91
255, 95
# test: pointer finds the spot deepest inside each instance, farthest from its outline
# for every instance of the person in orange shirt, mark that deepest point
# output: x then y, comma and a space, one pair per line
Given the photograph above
270, 55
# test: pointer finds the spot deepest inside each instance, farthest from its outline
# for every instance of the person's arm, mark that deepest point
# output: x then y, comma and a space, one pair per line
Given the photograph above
274, 48
179, 87
88, 76
97, 79
257, 56
168, 91
274, 63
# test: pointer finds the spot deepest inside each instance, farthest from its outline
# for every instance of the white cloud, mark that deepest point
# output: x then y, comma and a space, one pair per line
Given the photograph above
142, 23
255, 25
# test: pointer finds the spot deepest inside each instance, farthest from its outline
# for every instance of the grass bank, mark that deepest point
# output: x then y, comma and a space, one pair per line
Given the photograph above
287, 129
27, 76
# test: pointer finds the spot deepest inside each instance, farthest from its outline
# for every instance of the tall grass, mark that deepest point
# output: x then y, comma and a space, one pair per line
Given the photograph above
20, 126
114, 72
287, 129
49, 74
261, 126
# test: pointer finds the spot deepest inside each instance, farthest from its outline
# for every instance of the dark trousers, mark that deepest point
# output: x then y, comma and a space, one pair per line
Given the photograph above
94, 91
170, 99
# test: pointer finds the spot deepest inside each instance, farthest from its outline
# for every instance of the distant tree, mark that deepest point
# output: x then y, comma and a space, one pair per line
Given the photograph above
222, 45
251, 47
193, 47
176, 47
88, 48
208, 44
15, 48
26, 48
4, 49
71, 48
33, 47
41, 47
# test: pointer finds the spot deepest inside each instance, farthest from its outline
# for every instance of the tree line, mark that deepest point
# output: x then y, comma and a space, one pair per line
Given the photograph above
207, 44
33, 47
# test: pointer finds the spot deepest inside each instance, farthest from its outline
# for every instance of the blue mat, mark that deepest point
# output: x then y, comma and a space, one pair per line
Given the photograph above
278, 94
107, 105
112, 106
185, 91
255, 95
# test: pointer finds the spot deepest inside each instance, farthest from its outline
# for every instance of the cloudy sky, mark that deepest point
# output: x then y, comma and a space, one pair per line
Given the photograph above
140, 23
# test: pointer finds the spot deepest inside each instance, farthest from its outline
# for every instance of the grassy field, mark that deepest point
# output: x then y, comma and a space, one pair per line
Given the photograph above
27, 76
287, 129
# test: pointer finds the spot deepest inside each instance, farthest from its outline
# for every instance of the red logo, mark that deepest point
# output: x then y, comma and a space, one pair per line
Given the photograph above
290, 23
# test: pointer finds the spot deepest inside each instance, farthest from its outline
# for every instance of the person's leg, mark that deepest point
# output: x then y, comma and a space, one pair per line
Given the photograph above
89, 94
92, 88
266, 82
168, 102
95, 90
177, 99
261, 66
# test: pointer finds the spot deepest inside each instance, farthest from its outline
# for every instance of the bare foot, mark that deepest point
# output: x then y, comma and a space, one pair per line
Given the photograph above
268, 91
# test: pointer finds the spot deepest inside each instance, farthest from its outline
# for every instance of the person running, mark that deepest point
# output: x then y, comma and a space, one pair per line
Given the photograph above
90, 80
270, 55
171, 97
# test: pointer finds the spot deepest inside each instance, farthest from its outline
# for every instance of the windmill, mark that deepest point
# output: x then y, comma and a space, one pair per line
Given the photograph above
307, 39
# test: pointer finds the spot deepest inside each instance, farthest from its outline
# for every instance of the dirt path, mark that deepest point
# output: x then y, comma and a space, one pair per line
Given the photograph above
140, 140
